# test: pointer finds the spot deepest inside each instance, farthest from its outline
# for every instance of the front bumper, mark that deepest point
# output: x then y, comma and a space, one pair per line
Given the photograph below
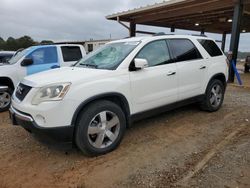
62, 134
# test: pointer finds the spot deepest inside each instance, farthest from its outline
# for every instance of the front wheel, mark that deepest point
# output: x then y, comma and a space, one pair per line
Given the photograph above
214, 96
100, 128
5, 99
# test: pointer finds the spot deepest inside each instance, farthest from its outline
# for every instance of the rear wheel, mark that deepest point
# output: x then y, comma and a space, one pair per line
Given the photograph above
100, 128
214, 96
5, 99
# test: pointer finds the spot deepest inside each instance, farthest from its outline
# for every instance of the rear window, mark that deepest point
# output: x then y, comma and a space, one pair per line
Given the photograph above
71, 53
184, 50
211, 47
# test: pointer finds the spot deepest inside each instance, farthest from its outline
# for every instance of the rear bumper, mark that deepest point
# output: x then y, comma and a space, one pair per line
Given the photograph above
62, 134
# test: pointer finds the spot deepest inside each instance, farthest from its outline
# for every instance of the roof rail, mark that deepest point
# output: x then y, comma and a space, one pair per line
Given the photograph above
197, 35
161, 34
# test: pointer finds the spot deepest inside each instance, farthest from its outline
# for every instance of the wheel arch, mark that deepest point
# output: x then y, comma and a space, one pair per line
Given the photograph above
117, 98
219, 76
6, 81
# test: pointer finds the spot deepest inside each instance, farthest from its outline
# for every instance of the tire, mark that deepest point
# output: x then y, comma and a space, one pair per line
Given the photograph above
214, 96
5, 99
95, 133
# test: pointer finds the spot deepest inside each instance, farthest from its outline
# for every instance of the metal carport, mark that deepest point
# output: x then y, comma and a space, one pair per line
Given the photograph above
215, 16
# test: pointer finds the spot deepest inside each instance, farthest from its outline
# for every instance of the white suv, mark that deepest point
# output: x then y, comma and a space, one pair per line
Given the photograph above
94, 102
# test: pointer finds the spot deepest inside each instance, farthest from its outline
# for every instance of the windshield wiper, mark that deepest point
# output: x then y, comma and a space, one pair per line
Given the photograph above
89, 65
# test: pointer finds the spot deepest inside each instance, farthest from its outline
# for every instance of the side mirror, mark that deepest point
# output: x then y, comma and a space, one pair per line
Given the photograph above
26, 62
140, 63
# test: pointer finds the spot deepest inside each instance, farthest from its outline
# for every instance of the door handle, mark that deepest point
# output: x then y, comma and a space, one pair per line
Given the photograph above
171, 73
55, 67
203, 67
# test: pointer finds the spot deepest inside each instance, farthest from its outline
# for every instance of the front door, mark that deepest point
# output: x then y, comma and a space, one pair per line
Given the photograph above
155, 85
44, 58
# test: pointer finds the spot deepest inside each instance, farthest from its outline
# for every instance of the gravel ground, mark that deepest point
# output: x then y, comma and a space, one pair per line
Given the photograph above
157, 152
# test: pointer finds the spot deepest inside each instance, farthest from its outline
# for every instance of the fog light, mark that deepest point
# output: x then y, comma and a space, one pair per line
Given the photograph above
40, 120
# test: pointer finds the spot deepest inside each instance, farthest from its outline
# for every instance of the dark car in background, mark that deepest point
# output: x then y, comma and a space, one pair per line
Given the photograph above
5, 56
247, 64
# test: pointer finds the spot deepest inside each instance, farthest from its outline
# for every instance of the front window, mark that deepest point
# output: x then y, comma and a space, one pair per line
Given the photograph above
156, 53
109, 56
45, 55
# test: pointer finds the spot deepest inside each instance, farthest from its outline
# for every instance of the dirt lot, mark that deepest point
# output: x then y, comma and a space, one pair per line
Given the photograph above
182, 148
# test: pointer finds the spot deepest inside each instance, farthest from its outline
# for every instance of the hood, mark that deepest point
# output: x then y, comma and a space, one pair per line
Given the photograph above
3, 64
65, 74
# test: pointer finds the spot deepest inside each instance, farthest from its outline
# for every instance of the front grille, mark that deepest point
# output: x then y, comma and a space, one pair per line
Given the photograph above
21, 91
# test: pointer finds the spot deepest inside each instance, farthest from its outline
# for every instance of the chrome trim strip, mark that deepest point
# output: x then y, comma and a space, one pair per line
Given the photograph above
3, 87
20, 115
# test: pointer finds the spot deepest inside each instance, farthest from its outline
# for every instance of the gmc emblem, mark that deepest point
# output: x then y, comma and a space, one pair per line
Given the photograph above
19, 90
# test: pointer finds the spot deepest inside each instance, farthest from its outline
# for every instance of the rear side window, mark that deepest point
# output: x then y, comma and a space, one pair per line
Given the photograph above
71, 53
184, 50
211, 47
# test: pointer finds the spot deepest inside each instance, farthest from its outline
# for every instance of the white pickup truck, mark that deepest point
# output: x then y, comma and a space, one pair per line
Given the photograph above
32, 60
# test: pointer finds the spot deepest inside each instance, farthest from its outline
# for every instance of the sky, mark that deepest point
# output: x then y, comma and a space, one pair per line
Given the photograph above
75, 20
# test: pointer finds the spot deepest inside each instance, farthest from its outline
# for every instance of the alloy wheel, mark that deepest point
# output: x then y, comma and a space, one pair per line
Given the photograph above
103, 129
5, 99
216, 95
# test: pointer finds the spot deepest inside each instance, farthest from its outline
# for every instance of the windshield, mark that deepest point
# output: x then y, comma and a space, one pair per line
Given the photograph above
18, 56
108, 57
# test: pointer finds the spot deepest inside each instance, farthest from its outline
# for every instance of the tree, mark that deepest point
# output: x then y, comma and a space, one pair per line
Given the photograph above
10, 44
47, 42
2, 43
24, 42
15, 44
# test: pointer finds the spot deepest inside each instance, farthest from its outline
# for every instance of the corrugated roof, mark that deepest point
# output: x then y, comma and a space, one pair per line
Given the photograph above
145, 8
197, 15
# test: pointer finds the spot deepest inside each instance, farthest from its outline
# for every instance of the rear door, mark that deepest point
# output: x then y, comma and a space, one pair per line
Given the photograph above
44, 58
155, 85
70, 55
190, 67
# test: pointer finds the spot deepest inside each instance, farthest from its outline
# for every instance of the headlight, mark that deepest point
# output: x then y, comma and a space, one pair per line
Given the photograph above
55, 92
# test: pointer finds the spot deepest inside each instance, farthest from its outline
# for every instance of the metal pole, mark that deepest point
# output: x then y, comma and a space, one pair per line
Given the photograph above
172, 30
202, 31
223, 44
132, 30
235, 37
